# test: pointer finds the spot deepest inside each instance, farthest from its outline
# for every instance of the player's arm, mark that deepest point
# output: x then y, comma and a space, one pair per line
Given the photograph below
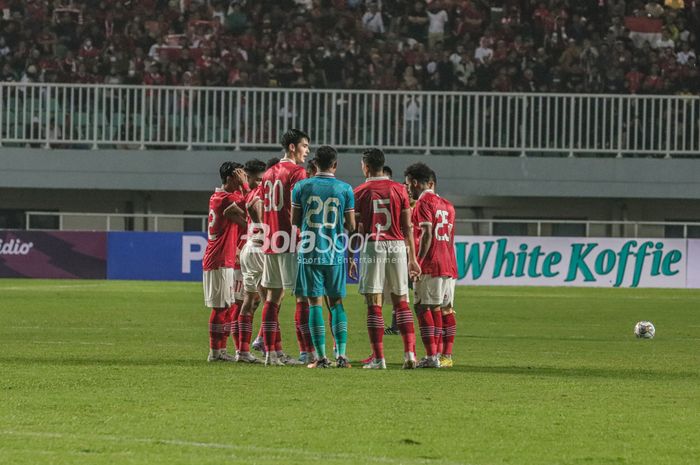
296, 216
297, 213
407, 230
236, 214
426, 238
255, 210
350, 227
242, 180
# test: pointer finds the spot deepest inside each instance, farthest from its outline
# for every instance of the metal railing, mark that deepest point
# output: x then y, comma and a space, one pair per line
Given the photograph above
73, 221
138, 117
66, 221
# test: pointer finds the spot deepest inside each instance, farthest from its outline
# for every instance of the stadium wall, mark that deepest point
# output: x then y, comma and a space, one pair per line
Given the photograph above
459, 175
481, 187
523, 261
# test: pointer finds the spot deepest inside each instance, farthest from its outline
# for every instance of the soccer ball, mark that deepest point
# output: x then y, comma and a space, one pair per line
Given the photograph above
644, 330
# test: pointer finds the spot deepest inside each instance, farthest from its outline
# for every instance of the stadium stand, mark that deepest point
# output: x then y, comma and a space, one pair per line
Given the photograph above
591, 46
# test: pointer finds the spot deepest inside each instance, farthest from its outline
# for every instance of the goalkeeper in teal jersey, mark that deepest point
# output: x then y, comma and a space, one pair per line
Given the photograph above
323, 208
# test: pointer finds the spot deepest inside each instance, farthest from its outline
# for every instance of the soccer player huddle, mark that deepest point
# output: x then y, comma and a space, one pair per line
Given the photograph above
280, 226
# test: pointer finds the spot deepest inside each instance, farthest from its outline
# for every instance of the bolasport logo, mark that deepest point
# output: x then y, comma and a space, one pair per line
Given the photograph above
15, 247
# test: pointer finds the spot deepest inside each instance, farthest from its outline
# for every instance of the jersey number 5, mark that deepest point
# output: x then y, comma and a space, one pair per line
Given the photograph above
379, 207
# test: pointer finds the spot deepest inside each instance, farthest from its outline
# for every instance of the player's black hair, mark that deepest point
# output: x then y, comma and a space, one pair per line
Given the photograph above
271, 162
387, 171
254, 166
373, 158
325, 157
420, 172
311, 167
227, 169
293, 136
433, 177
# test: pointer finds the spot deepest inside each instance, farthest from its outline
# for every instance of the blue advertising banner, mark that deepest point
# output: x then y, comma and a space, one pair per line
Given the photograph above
155, 256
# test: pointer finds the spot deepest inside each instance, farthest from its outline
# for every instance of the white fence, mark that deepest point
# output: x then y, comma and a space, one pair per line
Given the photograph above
68, 221
94, 116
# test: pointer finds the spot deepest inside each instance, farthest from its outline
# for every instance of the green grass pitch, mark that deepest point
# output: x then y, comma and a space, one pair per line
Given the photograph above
96, 372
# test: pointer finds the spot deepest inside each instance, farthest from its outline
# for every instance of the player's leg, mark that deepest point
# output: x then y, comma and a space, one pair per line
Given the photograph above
397, 283
251, 269
235, 309
288, 265
301, 322
272, 282
217, 295
449, 325
327, 301
310, 285
371, 285
426, 291
334, 282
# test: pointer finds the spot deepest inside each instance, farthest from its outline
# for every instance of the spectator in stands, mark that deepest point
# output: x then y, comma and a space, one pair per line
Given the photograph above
372, 20
450, 44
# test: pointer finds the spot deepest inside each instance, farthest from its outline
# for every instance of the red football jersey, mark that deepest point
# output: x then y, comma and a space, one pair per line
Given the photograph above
439, 214
221, 248
380, 201
238, 233
451, 220
276, 193
250, 199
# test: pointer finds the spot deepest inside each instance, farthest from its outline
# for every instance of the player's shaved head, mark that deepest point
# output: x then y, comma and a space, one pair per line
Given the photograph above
387, 171
326, 157
227, 169
374, 159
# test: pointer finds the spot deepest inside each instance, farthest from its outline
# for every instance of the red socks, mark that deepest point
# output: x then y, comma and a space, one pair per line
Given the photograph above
270, 325
427, 331
235, 311
301, 322
449, 324
278, 338
375, 328
245, 331
404, 320
437, 321
217, 332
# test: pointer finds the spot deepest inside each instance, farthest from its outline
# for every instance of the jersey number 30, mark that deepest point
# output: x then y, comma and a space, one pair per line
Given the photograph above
274, 195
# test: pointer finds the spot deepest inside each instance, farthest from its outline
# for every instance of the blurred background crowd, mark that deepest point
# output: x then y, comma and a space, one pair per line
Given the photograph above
583, 46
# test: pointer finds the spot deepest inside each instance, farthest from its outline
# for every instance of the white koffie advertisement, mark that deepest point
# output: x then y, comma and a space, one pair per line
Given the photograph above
558, 261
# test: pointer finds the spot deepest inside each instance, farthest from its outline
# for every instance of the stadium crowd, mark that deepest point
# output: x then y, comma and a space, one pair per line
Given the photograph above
481, 45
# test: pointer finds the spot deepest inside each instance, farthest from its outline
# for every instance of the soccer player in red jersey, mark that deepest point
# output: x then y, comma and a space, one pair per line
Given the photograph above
433, 225
387, 255
250, 258
280, 261
449, 324
219, 257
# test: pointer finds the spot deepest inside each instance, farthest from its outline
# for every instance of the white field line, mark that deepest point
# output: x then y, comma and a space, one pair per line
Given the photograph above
74, 343
94, 328
276, 451
50, 287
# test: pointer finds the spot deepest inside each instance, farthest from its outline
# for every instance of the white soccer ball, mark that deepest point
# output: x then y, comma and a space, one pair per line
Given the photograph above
644, 330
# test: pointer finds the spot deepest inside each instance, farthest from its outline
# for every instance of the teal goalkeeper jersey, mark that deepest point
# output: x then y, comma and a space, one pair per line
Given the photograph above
323, 201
